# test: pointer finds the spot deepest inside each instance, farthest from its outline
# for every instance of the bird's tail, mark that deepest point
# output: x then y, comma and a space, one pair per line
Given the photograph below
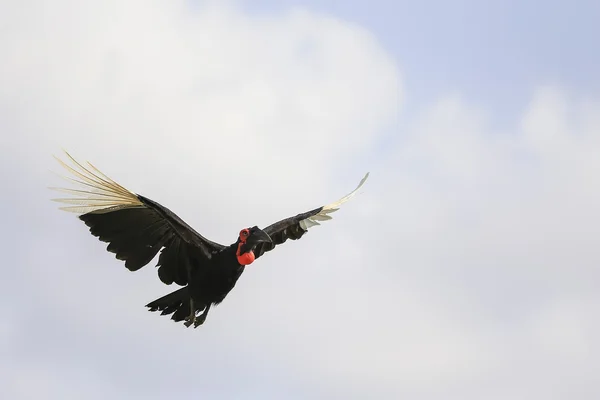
176, 303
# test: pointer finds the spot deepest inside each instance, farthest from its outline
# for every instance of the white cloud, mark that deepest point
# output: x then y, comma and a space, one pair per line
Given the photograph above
467, 269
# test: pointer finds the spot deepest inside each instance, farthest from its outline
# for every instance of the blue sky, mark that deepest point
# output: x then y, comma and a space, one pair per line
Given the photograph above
466, 269
494, 52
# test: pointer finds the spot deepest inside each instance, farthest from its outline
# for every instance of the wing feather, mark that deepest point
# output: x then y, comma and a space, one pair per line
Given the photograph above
135, 227
295, 227
112, 194
322, 215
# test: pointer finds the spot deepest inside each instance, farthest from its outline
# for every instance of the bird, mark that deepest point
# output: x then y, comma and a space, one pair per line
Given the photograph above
138, 228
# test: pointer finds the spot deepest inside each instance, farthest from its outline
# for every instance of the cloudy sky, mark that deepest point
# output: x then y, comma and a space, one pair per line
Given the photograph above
468, 268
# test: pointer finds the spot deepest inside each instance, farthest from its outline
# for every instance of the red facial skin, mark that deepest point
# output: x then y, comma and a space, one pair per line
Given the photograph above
246, 258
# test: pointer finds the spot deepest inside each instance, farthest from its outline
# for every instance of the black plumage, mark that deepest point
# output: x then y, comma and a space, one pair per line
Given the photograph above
137, 229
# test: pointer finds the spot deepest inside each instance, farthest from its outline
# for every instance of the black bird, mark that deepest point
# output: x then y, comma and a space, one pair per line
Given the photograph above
137, 228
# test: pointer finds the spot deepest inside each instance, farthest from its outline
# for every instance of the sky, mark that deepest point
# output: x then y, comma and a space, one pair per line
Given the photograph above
467, 267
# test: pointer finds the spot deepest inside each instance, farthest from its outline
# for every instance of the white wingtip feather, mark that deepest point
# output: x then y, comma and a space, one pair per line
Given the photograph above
98, 192
335, 206
328, 209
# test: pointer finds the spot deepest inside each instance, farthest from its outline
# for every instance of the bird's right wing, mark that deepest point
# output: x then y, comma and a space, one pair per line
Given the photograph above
135, 227
295, 227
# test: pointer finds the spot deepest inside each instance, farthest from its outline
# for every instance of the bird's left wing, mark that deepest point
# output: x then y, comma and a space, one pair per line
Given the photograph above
135, 227
295, 227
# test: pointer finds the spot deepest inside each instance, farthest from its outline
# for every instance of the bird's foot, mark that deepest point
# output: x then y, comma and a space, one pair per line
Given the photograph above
191, 319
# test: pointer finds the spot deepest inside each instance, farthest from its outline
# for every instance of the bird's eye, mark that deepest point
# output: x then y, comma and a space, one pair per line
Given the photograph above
244, 233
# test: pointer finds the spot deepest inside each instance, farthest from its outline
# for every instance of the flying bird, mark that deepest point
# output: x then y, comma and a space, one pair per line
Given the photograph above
137, 228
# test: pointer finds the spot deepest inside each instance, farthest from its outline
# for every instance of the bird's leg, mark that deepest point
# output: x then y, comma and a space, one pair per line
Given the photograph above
202, 317
191, 319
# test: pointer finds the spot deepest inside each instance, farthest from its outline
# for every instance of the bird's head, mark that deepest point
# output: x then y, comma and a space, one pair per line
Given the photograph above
249, 238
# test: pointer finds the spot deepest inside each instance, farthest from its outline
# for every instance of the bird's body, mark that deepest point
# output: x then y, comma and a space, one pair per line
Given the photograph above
138, 228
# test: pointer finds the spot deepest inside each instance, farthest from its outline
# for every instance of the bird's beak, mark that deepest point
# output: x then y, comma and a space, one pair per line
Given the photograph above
259, 237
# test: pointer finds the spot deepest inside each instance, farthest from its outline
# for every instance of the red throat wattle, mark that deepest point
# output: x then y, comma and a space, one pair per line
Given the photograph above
246, 258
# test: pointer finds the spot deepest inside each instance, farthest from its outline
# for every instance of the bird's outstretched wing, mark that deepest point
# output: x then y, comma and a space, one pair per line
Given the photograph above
135, 227
295, 227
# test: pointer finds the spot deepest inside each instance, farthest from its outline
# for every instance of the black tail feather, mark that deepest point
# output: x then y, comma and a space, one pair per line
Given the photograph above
176, 303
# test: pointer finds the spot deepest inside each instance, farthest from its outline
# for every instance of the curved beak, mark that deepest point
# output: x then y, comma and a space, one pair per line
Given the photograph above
259, 236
